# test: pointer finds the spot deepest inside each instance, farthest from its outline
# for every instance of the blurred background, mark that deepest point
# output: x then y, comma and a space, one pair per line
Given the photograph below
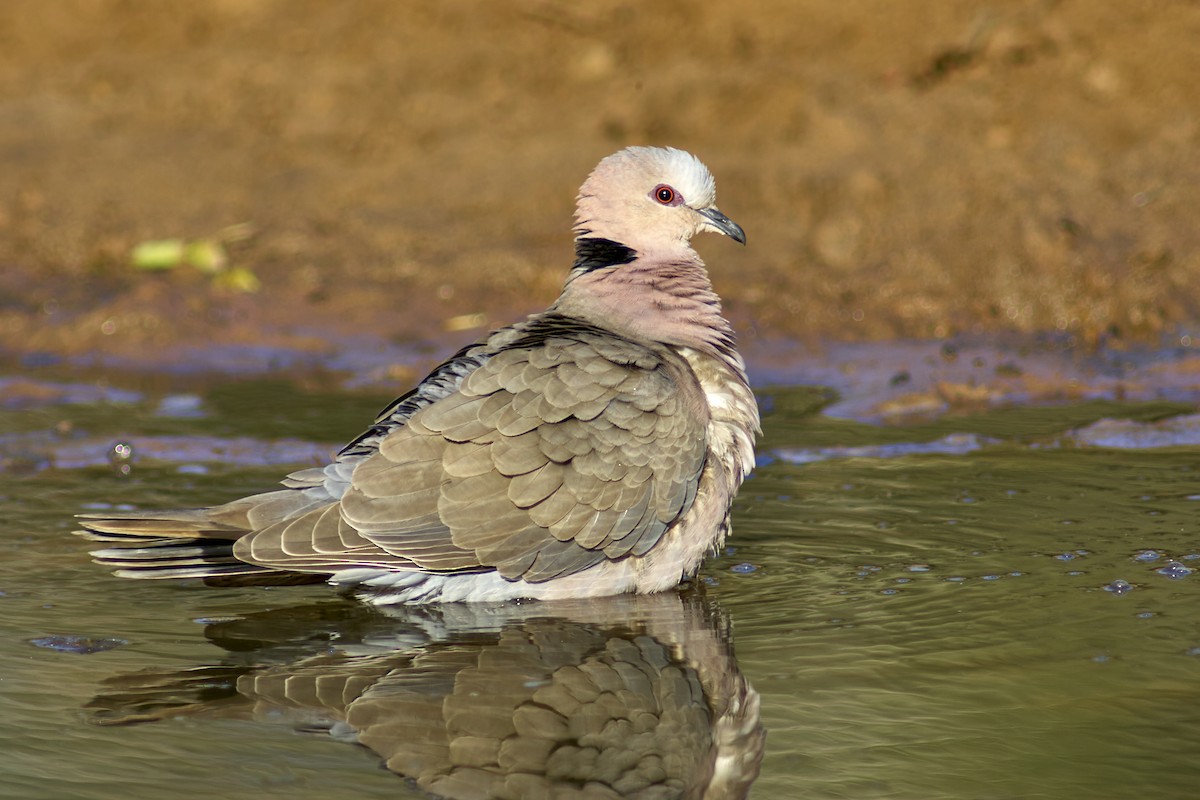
232, 230
404, 170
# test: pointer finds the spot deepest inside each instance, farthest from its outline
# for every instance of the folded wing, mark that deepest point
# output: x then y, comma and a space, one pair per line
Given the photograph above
566, 448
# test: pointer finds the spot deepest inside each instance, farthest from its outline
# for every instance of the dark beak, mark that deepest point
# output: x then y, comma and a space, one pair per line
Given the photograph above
723, 224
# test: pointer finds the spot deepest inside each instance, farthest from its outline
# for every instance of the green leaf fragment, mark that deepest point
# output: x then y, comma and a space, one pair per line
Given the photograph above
238, 279
206, 255
158, 254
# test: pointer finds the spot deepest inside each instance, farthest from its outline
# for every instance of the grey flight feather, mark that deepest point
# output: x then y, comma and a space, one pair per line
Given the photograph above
592, 449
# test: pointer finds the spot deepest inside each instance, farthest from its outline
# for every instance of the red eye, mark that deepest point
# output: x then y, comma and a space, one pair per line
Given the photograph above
664, 194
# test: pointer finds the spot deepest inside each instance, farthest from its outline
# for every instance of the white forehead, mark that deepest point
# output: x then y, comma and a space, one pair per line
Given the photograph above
654, 165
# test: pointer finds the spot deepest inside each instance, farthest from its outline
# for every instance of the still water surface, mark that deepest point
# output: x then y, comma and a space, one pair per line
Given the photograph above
985, 606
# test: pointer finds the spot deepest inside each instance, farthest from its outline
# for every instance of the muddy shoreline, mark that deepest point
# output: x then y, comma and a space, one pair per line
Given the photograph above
405, 177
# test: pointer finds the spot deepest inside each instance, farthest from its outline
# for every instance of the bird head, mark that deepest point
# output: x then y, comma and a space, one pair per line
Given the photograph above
651, 199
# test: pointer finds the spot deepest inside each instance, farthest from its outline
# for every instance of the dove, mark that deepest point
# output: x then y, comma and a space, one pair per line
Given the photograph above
592, 449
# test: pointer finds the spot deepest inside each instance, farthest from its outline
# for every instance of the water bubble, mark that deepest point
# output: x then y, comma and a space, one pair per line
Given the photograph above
1174, 570
120, 458
1119, 587
1066, 556
919, 568
956, 579
1147, 555
1146, 614
991, 577
745, 568
889, 591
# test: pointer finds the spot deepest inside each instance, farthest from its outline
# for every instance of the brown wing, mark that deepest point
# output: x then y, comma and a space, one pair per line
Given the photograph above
548, 459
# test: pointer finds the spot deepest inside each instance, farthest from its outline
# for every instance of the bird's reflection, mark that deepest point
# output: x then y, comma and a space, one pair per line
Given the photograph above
619, 697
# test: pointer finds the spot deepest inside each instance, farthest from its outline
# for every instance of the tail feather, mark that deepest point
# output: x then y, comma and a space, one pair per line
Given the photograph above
167, 572
191, 523
180, 555
124, 538
184, 543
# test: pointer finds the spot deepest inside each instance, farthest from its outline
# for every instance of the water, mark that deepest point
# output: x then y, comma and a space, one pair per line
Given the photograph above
911, 643
992, 605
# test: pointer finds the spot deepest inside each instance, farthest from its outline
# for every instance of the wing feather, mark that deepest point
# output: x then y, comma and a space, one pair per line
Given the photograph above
559, 450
